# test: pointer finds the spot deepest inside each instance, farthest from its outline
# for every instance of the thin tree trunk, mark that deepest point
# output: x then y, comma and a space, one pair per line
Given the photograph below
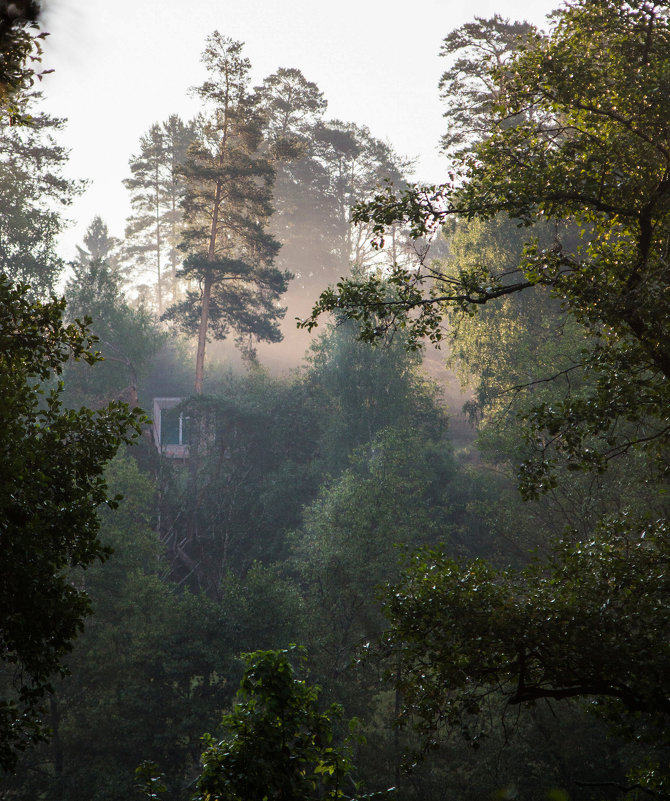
396, 729
206, 294
157, 207
159, 277
202, 335
173, 239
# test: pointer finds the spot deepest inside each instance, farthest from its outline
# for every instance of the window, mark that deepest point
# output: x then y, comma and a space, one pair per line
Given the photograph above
171, 426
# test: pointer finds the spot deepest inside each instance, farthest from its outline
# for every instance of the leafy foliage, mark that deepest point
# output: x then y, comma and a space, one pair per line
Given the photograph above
52, 485
597, 162
21, 46
276, 742
366, 390
33, 192
579, 141
590, 622
153, 666
395, 494
555, 209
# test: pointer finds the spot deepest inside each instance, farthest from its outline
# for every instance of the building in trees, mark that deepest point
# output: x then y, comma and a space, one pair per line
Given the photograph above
171, 428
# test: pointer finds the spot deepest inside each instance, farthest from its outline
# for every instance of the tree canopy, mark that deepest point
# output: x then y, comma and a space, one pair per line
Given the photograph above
475, 76
33, 193
276, 743
579, 139
596, 157
52, 483
547, 275
227, 204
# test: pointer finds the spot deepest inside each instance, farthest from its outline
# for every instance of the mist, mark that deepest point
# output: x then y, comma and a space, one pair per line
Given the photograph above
334, 401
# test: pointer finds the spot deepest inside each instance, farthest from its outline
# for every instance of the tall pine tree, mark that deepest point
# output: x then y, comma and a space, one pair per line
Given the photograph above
468, 86
229, 181
157, 188
292, 106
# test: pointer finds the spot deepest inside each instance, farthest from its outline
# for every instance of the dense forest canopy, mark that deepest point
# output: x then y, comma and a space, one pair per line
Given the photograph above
479, 616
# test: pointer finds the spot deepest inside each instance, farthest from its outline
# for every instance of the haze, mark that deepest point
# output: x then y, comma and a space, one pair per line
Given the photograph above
119, 67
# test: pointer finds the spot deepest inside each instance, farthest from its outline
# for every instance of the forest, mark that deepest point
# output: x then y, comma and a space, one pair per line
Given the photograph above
318, 483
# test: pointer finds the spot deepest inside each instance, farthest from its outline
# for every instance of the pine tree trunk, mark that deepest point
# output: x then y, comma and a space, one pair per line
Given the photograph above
173, 251
202, 335
159, 277
207, 290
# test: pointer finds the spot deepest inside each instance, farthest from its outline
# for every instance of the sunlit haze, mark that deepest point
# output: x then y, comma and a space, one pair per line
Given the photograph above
119, 67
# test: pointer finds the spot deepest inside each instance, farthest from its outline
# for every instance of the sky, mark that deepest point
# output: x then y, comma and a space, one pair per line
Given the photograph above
121, 65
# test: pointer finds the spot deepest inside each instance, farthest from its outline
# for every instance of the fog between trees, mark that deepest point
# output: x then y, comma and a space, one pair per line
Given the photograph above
481, 606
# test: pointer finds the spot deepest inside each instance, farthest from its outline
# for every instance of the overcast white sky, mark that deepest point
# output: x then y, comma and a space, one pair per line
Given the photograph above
121, 65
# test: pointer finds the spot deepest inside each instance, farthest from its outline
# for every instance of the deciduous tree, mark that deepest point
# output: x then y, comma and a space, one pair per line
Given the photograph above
276, 743
590, 147
21, 47
33, 193
474, 80
52, 484
598, 159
